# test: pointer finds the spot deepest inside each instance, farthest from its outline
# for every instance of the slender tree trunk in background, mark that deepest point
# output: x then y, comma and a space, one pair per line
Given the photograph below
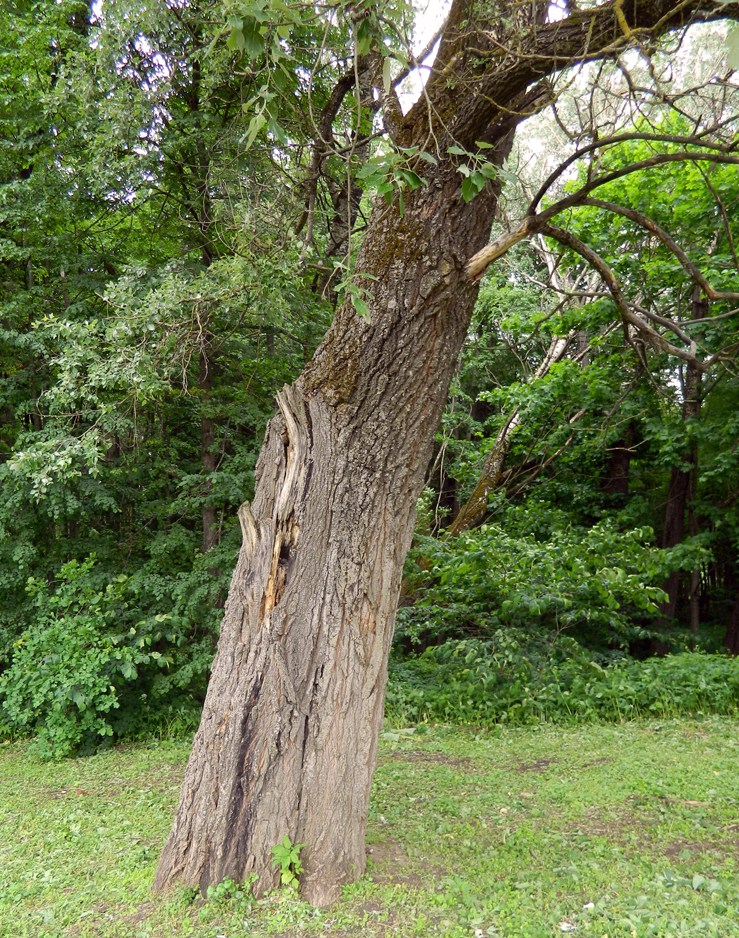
288, 738
731, 636
682, 489
695, 573
208, 457
616, 478
473, 512
616, 481
731, 639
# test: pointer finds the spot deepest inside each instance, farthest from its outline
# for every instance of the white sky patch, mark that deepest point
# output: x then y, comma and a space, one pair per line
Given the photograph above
430, 16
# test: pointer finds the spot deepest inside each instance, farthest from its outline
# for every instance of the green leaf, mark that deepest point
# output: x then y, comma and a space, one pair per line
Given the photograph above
471, 186
365, 34
361, 307
277, 131
236, 39
412, 179
253, 38
128, 671
255, 125
489, 171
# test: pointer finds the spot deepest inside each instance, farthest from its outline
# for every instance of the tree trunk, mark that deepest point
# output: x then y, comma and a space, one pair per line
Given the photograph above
681, 490
208, 458
731, 639
731, 636
288, 738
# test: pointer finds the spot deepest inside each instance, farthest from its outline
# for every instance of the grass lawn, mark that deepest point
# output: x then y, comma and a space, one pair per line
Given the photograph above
619, 830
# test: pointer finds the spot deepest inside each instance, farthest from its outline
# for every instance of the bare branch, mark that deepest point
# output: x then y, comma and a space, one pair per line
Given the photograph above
628, 316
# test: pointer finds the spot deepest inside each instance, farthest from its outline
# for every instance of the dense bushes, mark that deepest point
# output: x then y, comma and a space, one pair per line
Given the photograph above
88, 668
88, 671
536, 569
525, 677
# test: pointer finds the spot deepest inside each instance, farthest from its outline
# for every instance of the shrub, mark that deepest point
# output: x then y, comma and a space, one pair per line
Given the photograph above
602, 584
82, 655
520, 677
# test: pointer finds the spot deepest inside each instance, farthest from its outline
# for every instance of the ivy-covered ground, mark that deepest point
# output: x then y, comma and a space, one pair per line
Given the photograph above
605, 831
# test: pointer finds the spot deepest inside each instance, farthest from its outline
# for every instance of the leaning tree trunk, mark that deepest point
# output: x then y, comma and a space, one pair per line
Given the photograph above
287, 742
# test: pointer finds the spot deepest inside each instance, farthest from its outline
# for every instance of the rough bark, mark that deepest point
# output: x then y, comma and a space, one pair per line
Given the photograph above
287, 742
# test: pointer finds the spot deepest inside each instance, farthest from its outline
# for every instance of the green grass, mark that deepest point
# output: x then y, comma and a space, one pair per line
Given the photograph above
625, 830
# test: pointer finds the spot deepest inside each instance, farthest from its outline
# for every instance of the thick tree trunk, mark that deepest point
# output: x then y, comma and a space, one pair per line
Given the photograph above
287, 742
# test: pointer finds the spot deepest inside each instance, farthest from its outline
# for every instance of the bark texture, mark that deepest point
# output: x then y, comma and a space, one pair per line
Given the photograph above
287, 742
288, 738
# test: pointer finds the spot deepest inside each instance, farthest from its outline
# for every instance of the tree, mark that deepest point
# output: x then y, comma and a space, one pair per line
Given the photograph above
288, 738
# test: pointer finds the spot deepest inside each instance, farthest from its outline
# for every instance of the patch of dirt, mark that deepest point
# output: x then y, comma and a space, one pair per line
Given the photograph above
593, 824
141, 914
602, 761
539, 766
694, 848
700, 848
436, 758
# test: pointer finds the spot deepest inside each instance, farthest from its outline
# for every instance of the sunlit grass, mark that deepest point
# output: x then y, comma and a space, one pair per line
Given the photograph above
625, 830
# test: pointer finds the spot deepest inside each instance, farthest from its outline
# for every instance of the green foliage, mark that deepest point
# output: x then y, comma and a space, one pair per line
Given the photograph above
524, 677
149, 310
286, 858
536, 570
230, 896
85, 657
62, 682
391, 172
153, 299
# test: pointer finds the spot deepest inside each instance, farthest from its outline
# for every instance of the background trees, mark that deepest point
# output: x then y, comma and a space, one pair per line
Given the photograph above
150, 314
